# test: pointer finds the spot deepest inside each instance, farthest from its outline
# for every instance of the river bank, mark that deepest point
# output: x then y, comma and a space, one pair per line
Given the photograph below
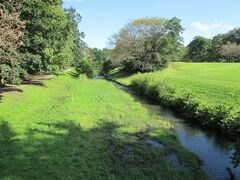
214, 149
205, 97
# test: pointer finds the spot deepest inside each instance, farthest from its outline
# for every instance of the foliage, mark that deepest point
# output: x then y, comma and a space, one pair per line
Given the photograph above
31, 63
106, 67
223, 47
51, 40
199, 50
232, 36
10, 35
84, 67
99, 55
51, 33
74, 19
12, 73
146, 44
231, 52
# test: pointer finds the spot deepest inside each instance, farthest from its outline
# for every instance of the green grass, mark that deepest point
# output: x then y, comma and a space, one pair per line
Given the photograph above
77, 128
204, 90
215, 83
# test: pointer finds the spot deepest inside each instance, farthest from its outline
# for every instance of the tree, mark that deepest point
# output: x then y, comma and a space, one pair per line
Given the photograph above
99, 55
232, 36
231, 52
83, 66
106, 68
217, 43
74, 19
199, 50
146, 44
47, 34
10, 35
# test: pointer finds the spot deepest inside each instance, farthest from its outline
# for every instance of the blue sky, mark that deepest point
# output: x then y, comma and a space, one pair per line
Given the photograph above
102, 18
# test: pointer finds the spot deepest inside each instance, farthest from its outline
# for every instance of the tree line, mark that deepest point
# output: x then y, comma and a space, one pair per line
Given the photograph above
221, 48
41, 37
149, 44
37, 37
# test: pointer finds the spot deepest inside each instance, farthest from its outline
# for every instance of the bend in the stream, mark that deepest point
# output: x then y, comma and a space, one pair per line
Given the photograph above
213, 149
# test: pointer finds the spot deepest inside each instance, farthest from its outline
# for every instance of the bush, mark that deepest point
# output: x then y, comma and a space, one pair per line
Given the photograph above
32, 63
106, 67
189, 105
12, 74
84, 67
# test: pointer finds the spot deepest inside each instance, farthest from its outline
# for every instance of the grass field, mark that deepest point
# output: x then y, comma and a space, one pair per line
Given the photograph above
77, 128
212, 84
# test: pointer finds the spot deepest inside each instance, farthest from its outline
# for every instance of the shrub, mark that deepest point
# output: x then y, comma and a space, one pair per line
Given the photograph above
187, 103
84, 67
12, 74
106, 67
32, 63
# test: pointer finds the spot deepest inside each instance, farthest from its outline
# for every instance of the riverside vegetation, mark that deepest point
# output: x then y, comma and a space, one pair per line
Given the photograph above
205, 92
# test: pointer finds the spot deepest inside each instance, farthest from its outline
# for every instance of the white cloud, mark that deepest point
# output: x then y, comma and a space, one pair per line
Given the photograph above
214, 26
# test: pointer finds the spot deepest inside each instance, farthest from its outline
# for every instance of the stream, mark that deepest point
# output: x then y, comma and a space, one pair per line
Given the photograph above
211, 147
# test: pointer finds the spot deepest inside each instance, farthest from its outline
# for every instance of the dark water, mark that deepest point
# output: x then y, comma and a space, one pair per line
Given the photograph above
213, 148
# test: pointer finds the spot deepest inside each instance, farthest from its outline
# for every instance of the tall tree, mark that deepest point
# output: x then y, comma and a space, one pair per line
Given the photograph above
232, 36
10, 35
199, 50
75, 34
146, 44
46, 33
231, 52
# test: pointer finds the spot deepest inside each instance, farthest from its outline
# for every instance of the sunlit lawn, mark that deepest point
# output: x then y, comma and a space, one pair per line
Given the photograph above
214, 83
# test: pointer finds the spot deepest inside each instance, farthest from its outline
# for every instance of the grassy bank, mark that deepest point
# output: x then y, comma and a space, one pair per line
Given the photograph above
206, 92
71, 128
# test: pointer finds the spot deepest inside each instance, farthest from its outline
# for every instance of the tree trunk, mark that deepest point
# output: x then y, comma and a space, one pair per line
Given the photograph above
1, 81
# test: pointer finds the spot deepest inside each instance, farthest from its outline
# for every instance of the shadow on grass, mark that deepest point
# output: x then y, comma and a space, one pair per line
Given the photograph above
10, 89
67, 151
73, 74
7, 89
34, 83
119, 74
37, 80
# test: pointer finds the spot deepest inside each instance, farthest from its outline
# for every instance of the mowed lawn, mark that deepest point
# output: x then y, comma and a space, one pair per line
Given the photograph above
214, 83
77, 128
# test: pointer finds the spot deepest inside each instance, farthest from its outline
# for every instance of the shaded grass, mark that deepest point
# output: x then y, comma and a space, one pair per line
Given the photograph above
85, 129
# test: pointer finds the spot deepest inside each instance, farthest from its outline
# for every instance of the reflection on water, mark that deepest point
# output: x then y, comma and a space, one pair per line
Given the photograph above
213, 148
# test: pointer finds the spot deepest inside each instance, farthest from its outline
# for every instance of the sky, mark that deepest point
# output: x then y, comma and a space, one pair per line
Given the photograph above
102, 18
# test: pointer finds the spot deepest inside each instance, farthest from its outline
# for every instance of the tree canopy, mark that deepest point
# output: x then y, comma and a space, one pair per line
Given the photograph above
11, 31
146, 44
37, 36
199, 49
222, 47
